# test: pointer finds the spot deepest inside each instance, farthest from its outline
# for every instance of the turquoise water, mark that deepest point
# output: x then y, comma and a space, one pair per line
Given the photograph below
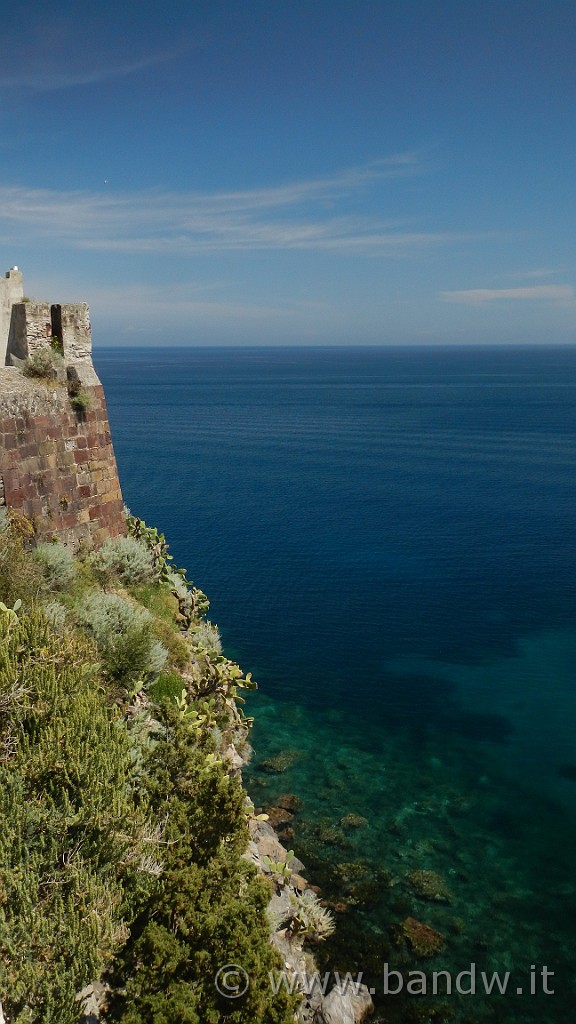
387, 537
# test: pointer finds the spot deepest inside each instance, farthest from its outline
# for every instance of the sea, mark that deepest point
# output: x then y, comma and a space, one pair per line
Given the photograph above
387, 537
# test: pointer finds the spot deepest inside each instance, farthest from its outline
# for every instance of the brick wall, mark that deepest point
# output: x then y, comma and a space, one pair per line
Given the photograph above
57, 466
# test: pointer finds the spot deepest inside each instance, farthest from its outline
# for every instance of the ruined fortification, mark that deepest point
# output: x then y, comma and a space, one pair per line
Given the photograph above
57, 463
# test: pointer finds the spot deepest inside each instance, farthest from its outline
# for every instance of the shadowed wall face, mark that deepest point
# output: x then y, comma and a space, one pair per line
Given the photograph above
11, 292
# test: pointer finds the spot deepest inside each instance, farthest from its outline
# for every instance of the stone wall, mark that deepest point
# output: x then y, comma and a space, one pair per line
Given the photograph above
57, 466
57, 463
33, 324
11, 291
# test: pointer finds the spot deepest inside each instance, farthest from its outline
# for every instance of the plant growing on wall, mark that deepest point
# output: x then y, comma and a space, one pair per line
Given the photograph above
82, 402
43, 363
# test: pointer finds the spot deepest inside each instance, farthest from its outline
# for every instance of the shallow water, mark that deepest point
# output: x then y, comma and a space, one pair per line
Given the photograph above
387, 537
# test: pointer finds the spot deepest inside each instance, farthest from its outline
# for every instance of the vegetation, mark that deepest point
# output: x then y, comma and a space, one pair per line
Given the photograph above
44, 362
310, 919
58, 565
82, 401
123, 825
125, 558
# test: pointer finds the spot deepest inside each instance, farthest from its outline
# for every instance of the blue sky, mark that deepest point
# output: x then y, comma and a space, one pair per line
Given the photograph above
294, 171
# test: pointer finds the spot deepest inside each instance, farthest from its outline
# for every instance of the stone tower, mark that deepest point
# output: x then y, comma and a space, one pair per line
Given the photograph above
57, 464
11, 292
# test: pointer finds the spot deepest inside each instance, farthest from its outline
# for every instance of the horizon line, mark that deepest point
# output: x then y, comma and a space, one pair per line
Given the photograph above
349, 345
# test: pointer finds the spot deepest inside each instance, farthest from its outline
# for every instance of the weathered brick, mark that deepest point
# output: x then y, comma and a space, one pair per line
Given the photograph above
57, 467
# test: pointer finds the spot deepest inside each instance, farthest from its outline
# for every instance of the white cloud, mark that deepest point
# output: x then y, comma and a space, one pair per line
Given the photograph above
538, 274
479, 296
306, 214
48, 65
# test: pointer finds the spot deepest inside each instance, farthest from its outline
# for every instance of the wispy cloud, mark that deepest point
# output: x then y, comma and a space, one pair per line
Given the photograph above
307, 214
191, 301
40, 76
538, 274
480, 296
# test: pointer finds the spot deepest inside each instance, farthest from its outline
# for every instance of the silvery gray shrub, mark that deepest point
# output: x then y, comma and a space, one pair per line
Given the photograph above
58, 565
125, 558
124, 637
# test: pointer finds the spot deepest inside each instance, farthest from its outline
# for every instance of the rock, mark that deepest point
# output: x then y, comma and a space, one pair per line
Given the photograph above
298, 882
278, 816
345, 1005
92, 999
429, 886
280, 907
284, 760
362, 1004
338, 906
74, 382
421, 938
265, 843
297, 865
271, 847
351, 871
353, 821
235, 760
289, 802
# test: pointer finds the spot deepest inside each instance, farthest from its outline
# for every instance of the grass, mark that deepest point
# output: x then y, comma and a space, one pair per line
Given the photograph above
167, 687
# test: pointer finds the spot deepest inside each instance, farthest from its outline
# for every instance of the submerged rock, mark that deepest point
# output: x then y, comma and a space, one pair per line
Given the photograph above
280, 763
279, 817
429, 886
289, 802
353, 821
422, 939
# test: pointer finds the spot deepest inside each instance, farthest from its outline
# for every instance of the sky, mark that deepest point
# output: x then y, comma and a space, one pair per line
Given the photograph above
294, 172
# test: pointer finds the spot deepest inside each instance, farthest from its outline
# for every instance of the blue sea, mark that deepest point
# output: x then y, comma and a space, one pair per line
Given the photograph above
387, 538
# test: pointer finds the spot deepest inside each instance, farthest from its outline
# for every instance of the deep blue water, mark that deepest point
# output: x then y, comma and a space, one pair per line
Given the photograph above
387, 538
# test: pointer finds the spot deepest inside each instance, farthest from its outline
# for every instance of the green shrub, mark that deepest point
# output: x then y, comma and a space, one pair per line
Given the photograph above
124, 637
209, 908
20, 575
58, 565
44, 363
173, 641
70, 836
127, 559
158, 600
82, 402
167, 687
123, 835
